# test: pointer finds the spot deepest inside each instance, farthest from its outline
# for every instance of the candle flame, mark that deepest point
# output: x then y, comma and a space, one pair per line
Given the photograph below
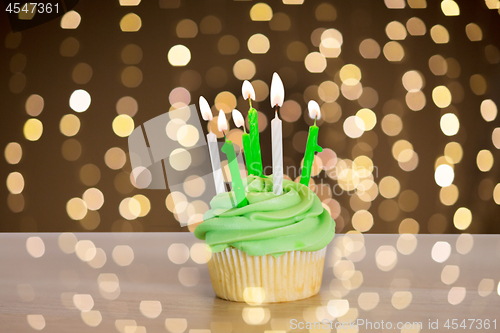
314, 110
277, 91
238, 118
222, 122
247, 90
205, 110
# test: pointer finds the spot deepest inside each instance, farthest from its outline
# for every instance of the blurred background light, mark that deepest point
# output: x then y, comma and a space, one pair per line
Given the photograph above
130, 23
179, 55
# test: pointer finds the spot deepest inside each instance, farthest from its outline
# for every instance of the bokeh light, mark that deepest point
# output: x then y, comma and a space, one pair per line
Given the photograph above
13, 153
131, 54
450, 274
210, 25
94, 199
441, 251
444, 175
441, 96
450, 8
462, 218
258, 44
35, 246
484, 160
395, 30
369, 49
123, 255
315, 62
354, 127
186, 29
123, 125
416, 27
439, 34
131, 77
369, 118
474, 32
449, 124
393, 51
33, 129
179, 55
130, 23
76, 208
36, 321
261, 12
34, 105
392, 125
71, 20
79, 100
69, 125
244, 69
15, 182
488, 110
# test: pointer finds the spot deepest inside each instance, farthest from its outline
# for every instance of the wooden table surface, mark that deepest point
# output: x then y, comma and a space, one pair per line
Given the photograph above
159, 282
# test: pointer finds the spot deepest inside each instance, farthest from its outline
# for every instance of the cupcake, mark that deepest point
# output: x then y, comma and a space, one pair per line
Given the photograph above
273, 247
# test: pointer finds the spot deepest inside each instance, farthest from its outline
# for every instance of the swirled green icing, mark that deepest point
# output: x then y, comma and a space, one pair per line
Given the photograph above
269, 224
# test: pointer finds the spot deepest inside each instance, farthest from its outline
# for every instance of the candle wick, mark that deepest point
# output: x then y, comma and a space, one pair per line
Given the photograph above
315, 120
249, 101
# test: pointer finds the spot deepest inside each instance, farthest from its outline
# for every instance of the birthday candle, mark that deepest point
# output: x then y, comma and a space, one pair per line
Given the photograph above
277, 145
240, 122
277, 96
312, 143
228, 149
255, 167
213, 147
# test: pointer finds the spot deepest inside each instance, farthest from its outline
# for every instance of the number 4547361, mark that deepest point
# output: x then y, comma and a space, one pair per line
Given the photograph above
32, 7
471, 324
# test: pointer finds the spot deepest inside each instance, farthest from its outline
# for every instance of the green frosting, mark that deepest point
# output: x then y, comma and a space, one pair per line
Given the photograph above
269, 224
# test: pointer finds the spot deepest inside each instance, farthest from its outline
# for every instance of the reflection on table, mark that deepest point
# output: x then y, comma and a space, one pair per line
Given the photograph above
159, 282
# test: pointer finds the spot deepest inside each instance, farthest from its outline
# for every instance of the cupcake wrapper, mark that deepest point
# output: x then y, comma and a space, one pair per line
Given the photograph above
239, 277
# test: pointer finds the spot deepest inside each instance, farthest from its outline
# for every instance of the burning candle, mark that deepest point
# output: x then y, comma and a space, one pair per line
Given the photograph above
228, 149
312, 143
277, 96
255, 167
240, 122
213, 148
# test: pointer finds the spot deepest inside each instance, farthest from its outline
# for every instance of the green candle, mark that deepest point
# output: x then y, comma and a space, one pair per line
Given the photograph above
312, 144
251, 143
248, 151
256, 165
240, 122
238, 188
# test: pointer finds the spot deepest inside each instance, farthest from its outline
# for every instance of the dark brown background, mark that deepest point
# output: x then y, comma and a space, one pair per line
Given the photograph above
51, 180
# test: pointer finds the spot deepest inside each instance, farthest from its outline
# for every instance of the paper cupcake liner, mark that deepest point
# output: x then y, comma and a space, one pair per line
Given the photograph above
239, 277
